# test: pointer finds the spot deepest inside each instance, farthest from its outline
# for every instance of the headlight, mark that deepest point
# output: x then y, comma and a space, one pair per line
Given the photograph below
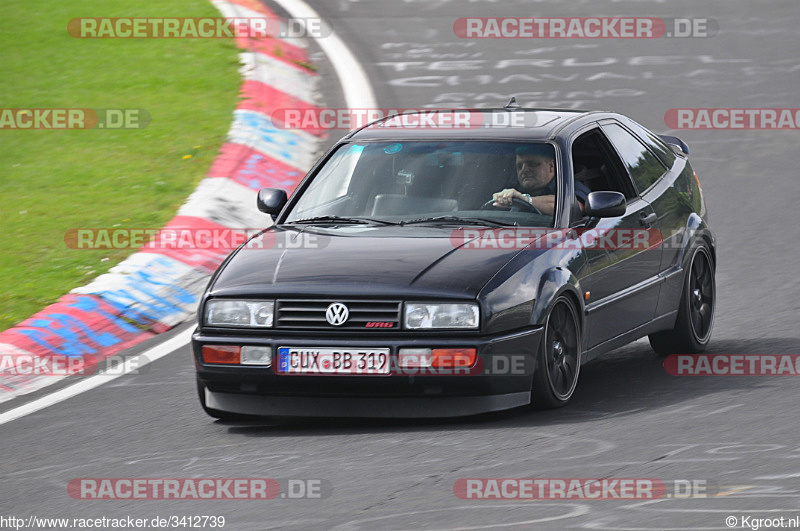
448, 315
256, 314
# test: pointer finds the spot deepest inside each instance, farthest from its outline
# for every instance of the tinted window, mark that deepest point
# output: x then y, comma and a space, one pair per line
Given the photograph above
597, 165
657, 145
643, 166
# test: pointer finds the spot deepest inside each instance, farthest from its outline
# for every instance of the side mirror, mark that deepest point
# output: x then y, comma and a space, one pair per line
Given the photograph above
605, 205
271, 201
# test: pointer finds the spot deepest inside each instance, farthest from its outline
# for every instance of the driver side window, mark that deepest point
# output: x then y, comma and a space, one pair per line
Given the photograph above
597, 166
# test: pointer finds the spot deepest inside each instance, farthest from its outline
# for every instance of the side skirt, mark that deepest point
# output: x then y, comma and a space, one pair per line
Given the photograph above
665, 322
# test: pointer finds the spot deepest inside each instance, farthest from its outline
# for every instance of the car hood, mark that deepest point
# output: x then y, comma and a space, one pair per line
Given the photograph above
360, 260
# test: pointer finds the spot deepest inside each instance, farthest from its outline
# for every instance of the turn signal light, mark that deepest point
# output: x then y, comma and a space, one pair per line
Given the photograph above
229, 354
437, 357
453, 357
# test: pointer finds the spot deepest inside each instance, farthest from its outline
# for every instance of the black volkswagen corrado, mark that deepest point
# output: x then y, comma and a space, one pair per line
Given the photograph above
458, 264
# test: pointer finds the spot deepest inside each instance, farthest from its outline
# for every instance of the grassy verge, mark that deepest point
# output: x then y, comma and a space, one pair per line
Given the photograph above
55, 180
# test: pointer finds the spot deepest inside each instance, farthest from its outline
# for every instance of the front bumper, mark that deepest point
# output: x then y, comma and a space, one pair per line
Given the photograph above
501, 378
417, 407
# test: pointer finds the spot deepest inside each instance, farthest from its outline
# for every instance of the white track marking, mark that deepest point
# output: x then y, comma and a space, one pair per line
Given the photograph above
355, 85
139, 361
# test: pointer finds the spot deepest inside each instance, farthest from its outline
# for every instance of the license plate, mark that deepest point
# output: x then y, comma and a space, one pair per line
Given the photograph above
296, 360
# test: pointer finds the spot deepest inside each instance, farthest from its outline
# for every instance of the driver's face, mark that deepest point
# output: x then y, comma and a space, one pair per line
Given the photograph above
534, 171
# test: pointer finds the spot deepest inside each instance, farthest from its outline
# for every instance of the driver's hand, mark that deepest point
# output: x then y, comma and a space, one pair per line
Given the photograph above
505, 197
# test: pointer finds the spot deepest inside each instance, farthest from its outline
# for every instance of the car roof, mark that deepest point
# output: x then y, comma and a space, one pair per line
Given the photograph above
477, 124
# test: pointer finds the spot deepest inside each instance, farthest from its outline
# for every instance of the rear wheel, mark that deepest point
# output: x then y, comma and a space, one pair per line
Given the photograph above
559, 358
696, 313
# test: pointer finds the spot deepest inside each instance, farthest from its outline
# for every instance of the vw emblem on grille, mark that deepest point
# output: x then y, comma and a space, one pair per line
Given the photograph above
337, 313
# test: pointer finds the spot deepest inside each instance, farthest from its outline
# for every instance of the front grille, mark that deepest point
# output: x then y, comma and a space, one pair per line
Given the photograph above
364, 314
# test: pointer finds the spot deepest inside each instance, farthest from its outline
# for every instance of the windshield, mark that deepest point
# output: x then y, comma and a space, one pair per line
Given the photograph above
414, 181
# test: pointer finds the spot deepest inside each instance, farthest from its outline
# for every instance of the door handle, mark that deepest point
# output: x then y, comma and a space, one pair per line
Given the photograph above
648, 219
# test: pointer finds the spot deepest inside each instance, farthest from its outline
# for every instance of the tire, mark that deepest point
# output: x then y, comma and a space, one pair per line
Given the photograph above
695, 318
559, 357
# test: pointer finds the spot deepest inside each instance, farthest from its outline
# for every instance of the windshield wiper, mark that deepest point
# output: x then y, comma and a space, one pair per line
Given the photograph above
460, 221
343, 220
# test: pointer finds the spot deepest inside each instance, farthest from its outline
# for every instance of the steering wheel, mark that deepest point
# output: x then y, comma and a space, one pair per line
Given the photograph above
517, 205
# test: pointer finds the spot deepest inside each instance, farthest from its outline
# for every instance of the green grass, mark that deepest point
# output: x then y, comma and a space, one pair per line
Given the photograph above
51, 181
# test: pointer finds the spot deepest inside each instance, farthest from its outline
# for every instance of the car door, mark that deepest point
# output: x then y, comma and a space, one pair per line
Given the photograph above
621, 280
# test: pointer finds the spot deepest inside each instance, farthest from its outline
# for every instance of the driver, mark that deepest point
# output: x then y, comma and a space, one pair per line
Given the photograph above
536, 172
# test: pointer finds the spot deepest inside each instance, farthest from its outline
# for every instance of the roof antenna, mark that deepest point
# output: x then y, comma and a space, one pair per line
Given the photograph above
512, 103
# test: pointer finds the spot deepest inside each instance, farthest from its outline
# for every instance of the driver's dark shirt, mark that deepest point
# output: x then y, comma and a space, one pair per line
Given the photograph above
581, 190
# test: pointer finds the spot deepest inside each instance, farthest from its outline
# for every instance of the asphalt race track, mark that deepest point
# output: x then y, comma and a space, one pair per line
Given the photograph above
629, 418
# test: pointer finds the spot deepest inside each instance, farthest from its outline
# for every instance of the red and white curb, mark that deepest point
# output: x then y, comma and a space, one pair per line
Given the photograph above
154, 290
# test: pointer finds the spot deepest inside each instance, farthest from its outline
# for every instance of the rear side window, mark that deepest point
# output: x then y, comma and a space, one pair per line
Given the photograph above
643, 166
657, 145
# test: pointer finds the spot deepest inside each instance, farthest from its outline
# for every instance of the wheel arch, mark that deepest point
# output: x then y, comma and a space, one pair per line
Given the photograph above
555, 282
697, 230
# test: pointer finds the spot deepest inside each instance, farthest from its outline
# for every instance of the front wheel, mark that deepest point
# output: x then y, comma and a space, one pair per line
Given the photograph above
696, 313
559, 358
